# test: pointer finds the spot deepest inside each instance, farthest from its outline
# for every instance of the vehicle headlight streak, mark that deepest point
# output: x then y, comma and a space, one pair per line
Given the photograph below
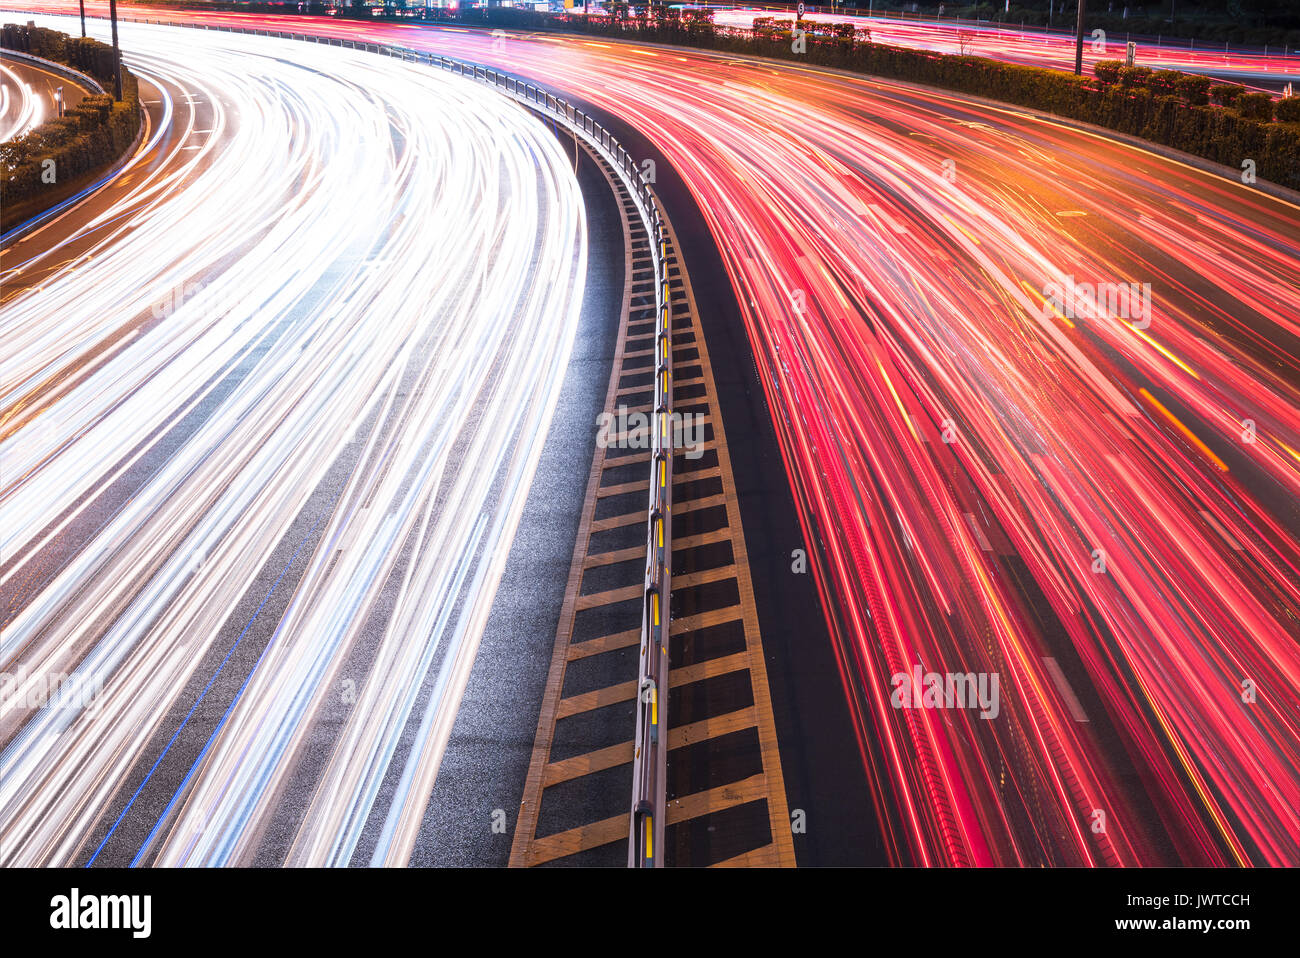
19, 104
393, 259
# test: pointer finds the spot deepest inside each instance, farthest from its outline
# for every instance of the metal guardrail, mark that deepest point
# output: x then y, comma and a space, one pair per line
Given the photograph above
649, 776
69, 74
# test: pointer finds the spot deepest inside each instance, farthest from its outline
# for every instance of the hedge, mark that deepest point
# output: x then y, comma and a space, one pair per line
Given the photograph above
91, 135
1225, 94
1117, 98
1256, 106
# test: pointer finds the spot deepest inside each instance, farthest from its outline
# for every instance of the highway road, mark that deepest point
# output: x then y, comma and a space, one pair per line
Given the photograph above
301, 356
993, 473
964, 456
1268, 70
30, 95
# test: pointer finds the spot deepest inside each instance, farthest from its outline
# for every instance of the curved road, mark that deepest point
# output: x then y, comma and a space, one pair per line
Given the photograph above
364, 285
998, 471
964, 456
29, 95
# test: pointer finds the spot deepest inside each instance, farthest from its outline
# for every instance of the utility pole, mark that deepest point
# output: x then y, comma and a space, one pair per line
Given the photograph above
117, 54
1078, 40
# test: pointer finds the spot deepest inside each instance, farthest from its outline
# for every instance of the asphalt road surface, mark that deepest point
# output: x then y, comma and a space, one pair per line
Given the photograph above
1035, 393
314, 468
30, 95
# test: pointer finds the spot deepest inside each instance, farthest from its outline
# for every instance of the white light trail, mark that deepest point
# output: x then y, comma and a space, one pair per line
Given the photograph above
394, 259
21, 110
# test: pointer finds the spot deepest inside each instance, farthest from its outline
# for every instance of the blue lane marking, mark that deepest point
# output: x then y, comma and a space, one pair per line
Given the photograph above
199, 700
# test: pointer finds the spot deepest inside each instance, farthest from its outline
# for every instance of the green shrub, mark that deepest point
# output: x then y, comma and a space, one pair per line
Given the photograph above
91, 135
699, 23
1194, 88
1135, 76
1107, 71
1225, 94
1255, 106
1288, 110
1165, 82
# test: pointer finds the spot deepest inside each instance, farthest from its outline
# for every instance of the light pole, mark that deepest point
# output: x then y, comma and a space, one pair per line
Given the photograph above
117, 53
1078, 40
83, 18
